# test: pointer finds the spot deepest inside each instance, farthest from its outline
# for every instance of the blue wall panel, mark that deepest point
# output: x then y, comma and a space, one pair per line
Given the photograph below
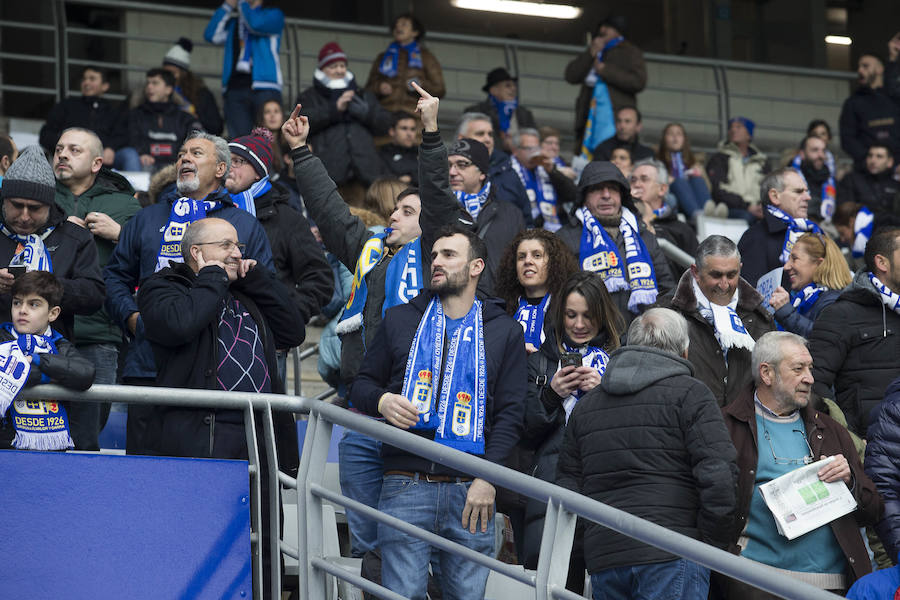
99, 526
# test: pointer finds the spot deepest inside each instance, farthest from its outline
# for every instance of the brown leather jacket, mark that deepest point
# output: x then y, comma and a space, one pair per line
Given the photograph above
826, 437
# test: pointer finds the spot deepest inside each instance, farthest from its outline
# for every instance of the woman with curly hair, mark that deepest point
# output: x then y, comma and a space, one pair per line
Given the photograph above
535, 265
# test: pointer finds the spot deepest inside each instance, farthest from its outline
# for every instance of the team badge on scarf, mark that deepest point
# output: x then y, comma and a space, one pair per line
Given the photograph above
30, 252
598, 253
39, 425
456, 412
184, 212
796, 228
403, 280
729, 329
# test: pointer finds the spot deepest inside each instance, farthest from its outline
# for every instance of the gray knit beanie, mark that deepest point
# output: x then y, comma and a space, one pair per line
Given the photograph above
30, 177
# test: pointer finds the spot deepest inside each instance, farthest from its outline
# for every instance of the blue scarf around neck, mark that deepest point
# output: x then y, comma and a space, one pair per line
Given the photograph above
473, 203
677, 165
505, 111
796, 228
31, 252
863, 225
541, 193
591, 356
600, 124
391, 58
599, 253
456, 413
531, 318
184, 212
806, 298
403, 279
246, 200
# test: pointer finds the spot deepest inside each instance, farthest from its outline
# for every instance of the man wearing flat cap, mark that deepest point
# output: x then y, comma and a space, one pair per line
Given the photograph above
502, 105
37, 237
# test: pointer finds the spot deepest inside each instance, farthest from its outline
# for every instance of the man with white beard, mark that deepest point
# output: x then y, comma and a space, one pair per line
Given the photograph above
152, 239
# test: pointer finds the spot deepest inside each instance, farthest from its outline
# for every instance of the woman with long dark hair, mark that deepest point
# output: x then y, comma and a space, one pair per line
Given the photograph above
535, 265
585, 327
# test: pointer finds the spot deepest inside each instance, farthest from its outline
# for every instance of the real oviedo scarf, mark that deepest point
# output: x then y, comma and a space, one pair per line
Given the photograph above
388, 66
591, 356
184, 212
863, 225
531, 318
30, 252
600, 124
807, 297
39, 425
402, 283
473, 203
456, 412
541, 193
796, 228
599, 253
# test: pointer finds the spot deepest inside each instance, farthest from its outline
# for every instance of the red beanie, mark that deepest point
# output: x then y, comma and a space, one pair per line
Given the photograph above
331, 53
255, 148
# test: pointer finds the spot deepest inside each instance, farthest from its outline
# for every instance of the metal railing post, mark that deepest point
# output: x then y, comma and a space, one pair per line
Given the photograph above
274, 499
556, 549
315, 543
255, 499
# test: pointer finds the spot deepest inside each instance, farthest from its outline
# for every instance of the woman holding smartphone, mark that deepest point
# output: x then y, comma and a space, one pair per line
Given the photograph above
584, 328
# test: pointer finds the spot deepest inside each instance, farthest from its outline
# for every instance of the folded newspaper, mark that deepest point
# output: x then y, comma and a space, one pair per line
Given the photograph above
800, 502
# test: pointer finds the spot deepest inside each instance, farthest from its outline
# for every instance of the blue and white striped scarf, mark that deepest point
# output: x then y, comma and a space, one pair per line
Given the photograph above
591, 356
796, 228
31, 252
541, 193
473, 203
862, 231
888, 296
599, 253
807, 297
246, 200
456, 413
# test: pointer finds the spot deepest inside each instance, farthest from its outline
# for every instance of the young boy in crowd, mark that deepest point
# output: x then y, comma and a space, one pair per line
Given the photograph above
31, 352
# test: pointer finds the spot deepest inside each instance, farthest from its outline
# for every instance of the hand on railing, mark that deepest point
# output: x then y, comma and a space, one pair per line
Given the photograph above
296, 129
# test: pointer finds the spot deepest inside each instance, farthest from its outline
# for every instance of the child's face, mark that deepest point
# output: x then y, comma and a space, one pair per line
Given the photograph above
32, 314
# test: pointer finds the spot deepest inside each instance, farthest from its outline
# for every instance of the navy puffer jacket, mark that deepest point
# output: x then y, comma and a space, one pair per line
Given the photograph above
882, 465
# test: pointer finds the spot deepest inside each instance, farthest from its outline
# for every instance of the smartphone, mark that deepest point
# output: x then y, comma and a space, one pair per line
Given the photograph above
569, 359
17, 271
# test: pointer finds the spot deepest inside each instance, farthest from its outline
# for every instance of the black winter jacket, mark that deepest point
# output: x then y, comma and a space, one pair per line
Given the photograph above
344, 234
108, 119
637, 150
73, 255
599, 172
299, 260
159, 129
180, 311
385, 366
868, 117
66, 368
650, 440
344, 143
881, 193
728, 379
399, 161
855, 345
882, 465
760, 248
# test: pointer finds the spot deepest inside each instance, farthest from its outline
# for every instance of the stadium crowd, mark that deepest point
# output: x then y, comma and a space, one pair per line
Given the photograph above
484, 293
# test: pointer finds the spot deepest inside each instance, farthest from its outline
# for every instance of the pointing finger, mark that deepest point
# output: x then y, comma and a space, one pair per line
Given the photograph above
421, 91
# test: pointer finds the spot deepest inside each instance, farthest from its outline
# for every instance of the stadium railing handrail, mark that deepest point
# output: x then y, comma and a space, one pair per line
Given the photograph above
563, 506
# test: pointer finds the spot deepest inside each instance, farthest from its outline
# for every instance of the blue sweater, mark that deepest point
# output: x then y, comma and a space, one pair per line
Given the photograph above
264, 40
134, 260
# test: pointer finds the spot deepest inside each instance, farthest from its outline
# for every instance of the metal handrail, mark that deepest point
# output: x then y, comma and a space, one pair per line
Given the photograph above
563, 504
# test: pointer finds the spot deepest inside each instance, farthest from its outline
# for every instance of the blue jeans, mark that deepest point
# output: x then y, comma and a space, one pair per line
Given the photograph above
435, 507
361, 470
676, 580
87, 419
127, 159
692, 194
241, 106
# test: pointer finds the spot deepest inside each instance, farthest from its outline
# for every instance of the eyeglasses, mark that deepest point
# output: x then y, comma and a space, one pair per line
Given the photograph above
460, 164
805, 460
238, 162
226, 245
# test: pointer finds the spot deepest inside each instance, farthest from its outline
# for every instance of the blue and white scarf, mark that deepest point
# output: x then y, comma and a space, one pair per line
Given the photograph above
888, 297
805, 299
600, 124
598, 253
31, 252
541, 193
677, 165
246, 200
796, 228
828, 192
457, 413
184, 212
473, 203
39, 425
591, 356
403, 279
391, 58
862, 231
729, 329
505, 111
531, 318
